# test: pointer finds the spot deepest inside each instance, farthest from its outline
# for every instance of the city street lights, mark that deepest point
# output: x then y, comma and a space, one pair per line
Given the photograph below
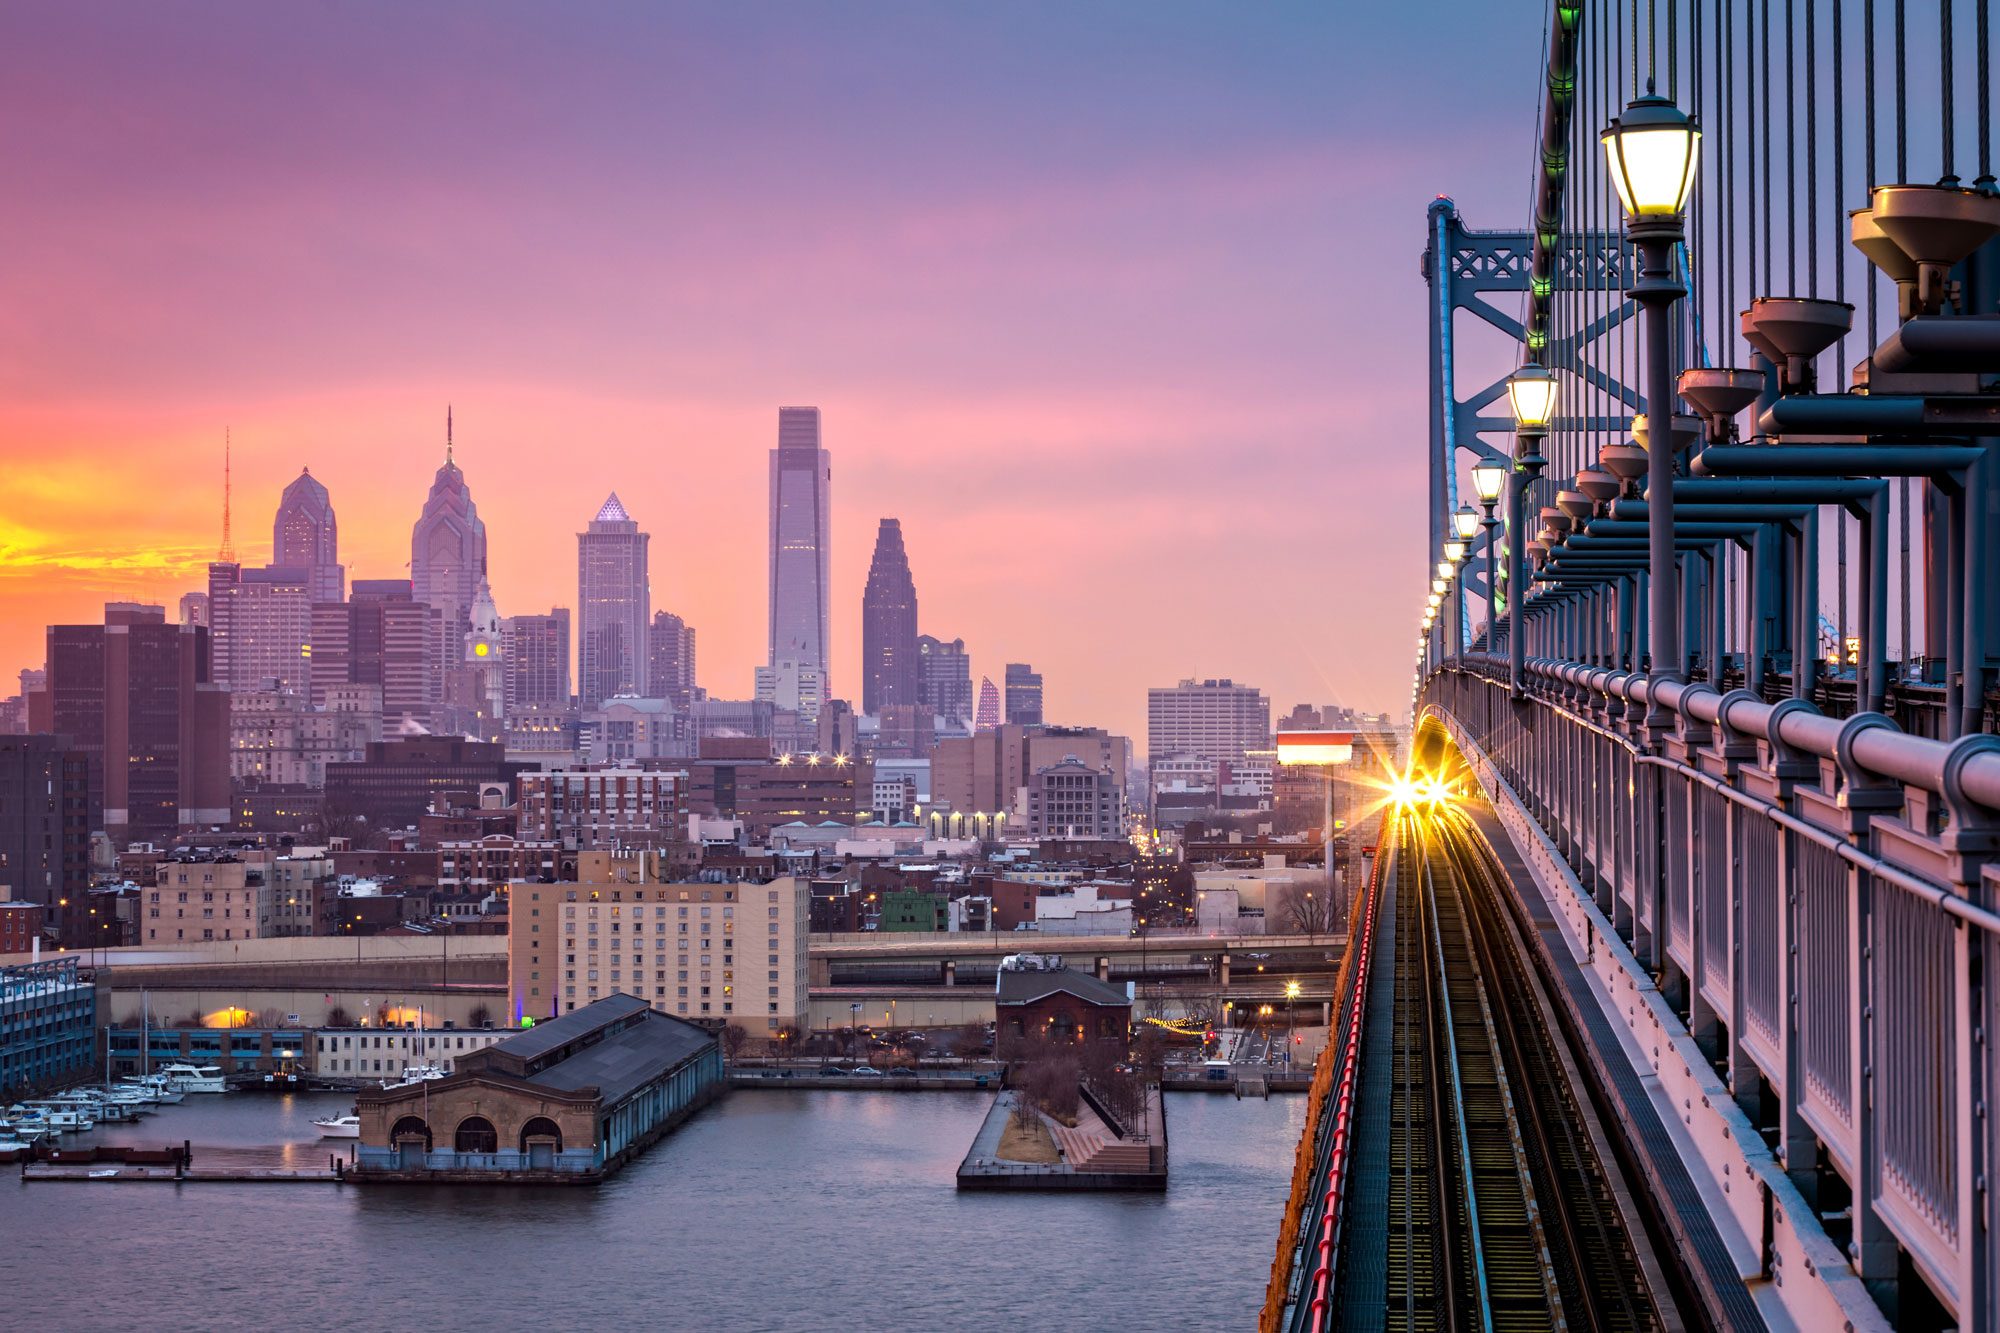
1532, 393
1652, 149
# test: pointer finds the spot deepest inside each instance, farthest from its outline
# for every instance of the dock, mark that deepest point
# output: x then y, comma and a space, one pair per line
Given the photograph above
113, 1173
1094, 1156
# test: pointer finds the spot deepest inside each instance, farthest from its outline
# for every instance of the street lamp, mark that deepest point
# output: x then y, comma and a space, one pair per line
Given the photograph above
1532, 392
1291, 1015
1652, 149
1489, 479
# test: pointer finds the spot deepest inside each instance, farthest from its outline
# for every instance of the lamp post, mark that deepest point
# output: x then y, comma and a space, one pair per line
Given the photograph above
1291, 1016
1454, 554
1489, 478
1532, 392
1651, 150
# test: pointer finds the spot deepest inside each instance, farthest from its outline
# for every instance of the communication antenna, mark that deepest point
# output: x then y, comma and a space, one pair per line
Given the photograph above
227, 555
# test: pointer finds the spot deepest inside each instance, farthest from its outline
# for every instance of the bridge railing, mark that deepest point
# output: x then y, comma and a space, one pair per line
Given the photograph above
1300, 1292
1815, 895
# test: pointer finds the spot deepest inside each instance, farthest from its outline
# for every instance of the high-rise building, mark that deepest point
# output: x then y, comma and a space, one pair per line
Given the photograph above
537, 655
475, 685
1213, 720
801, 543
261, 620
944, 678
135, 695
1024, 694
795, 686
44, 823
988, 715
194, 608
614, 606
889, 670
382, 636
670, 661
448, 551
304, 536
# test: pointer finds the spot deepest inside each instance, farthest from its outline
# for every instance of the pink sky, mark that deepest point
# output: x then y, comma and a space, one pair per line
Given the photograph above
1117, 310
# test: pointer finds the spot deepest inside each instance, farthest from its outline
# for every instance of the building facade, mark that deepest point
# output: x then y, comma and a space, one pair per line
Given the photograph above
944, 678
260, 622
135, 696
44, 824
204, 899
304, 535
1024, 695
801, 543
715, 953
889, 669
537, 661
448, 551
383, 637
276, 737
670, 672
604, 809
614, 606
396, 781
1216, 720
48, 1027
1071, 799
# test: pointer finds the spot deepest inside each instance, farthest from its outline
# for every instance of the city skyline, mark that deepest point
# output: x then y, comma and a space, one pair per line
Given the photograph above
1034, 325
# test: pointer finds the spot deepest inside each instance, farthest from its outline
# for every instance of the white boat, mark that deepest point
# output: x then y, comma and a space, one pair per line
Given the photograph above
195, 1078
413, 1074
339, 1127
68, 1119
154, 1088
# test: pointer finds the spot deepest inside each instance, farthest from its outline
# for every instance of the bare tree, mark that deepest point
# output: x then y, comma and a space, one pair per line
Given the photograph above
733, 1038
1306, 907
1201, 1003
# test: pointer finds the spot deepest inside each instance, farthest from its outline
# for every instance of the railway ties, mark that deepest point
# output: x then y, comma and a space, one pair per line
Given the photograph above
1500, 1212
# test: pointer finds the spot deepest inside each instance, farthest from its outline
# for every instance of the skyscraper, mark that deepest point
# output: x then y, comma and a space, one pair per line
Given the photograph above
261, 619
670, 662
614, 606
1024, 694
801, 543
537, 653
448, 551
944, 677
988, 716
134, 694
305, 536
382, 637
1217, 721
889, 671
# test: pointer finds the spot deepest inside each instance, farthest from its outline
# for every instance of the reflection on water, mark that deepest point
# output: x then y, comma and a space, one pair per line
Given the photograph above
769, 1210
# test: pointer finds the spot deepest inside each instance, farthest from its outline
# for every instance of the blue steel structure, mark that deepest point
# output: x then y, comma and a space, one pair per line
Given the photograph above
1786, 867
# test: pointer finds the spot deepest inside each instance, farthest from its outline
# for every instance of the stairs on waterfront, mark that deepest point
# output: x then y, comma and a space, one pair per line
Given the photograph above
1087, 1151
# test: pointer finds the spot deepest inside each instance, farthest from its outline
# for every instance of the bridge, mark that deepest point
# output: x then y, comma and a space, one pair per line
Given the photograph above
1670, 995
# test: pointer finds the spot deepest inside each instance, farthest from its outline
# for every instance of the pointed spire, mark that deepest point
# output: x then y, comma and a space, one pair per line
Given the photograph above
226, 555
447, 435
613, 511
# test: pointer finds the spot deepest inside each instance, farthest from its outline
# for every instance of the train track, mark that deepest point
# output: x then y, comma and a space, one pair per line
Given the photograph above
1501, 1215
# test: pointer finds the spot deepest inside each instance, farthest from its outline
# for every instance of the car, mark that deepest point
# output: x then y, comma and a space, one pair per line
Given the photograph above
832, 1071
868, 1071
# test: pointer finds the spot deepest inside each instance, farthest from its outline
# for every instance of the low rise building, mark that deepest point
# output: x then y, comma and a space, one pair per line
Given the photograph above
1071, 799
377, 1054
625, 807
719, 953
488, 865
48, 1027
570, 1099
1036, 998
203, 898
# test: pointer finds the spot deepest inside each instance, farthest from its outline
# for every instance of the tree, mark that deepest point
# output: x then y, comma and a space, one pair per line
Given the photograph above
1306, 907
969, 1038
338, 1017
1201, 1003
481, 1016
733, 1038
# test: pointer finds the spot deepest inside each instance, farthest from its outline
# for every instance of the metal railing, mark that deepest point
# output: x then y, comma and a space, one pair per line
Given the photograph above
1815, 896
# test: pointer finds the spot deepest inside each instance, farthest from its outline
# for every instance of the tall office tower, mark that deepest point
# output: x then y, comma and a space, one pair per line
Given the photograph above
448, 551
793, 686
988, 716
801, 543
1217, 721
194, 608
670, 662
614, 604
383, 637
889, 671
1024, 694
944, 678
262, 623
44, 824
537, 653
135, 695
304, 536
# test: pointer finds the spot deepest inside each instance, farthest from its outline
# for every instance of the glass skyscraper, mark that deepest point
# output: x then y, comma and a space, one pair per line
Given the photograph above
801, 540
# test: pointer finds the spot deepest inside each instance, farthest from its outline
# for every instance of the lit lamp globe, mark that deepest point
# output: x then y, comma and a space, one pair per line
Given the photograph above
1454, 551
1532, 392
1438, 587
1465, 520
1652, 150
1489, 478
1444, 570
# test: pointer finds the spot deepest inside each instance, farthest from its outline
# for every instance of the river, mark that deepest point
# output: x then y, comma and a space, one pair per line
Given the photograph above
769, 1210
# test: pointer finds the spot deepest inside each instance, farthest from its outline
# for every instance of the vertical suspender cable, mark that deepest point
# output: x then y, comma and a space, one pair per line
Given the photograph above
1947, 82
1791, 154
1985, 90
1839, 257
